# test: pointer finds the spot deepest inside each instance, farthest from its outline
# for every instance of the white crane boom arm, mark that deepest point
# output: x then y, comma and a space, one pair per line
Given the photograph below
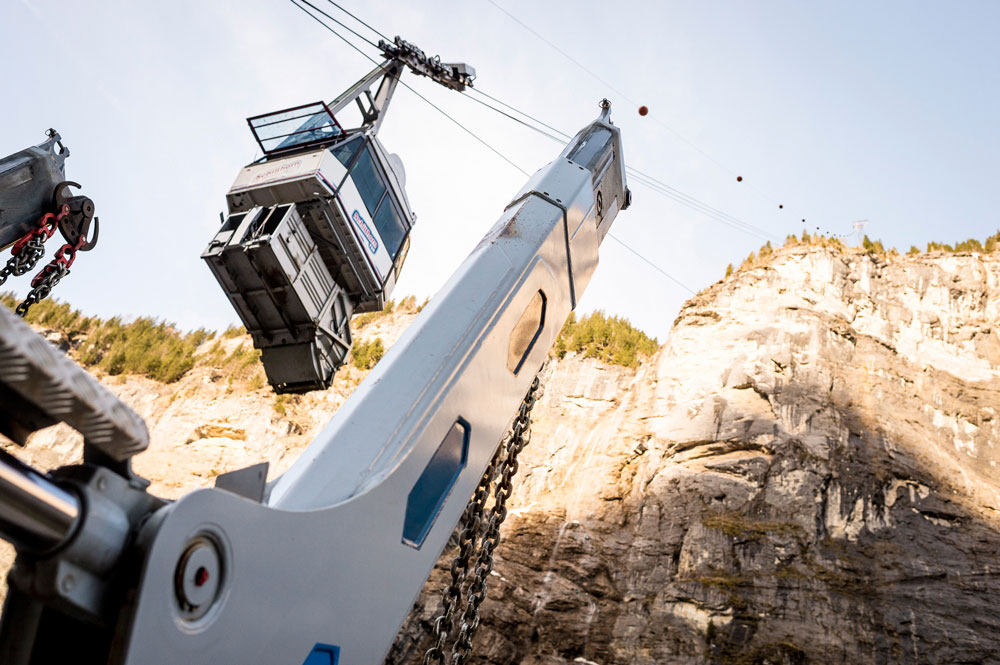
323, 569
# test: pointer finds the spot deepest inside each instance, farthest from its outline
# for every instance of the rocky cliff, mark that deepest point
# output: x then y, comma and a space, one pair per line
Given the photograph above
806, 472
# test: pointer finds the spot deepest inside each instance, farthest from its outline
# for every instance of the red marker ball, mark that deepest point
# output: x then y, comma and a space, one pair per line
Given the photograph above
643, 110
780, 207
739, 178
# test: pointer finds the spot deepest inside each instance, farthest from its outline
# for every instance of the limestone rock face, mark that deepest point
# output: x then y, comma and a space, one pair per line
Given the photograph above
806, 472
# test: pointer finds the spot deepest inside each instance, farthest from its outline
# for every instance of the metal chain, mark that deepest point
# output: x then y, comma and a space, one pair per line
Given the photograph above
24, 257
29, 250
472, 521
44, 287
504, 466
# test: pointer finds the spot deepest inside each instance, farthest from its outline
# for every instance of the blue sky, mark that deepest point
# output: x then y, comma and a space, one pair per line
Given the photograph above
837, 110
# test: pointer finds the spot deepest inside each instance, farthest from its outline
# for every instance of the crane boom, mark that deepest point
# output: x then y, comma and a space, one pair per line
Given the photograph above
321, 566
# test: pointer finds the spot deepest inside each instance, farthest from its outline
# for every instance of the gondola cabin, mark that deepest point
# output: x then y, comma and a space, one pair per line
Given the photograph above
318, 229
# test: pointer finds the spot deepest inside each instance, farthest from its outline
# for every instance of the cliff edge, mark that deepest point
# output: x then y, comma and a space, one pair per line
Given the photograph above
805, 472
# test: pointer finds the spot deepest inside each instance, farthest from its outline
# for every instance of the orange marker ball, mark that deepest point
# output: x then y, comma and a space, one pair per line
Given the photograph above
643, 110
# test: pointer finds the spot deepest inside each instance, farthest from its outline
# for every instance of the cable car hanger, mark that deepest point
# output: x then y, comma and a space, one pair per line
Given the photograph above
319, 227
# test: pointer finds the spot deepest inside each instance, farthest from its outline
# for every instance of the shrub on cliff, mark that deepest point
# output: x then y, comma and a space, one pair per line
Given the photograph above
365, 355
873, 246
144, 346
611, 339
971, 245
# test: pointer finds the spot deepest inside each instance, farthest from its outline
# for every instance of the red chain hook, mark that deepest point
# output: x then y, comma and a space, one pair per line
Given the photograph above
64, 257
46, 226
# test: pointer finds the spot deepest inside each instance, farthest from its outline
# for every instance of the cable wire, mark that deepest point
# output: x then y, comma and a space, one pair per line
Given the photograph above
466, 129
320, 21
561, 52
643, 178
692, 202
344, 26
515, 110
653, 265
518, 120
377, 32
650, 182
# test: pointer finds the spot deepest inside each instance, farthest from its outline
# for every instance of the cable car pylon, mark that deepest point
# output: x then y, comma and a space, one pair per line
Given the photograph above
319, 227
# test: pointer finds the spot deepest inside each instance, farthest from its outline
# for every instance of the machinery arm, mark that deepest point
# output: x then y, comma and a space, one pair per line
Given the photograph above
323, 566
35, 200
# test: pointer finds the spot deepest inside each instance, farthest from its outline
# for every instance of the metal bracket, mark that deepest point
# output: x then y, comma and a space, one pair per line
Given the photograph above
248, 483
456, 76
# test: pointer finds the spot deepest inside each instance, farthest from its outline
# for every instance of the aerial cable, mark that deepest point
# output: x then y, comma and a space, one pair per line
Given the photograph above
642, 178
559, 132
655, 267
708, 211
340, 36
652, 182
377, 32
646, 180
518, 120
610, 87
342, 25
465, 129
405, 85
701, 209
562, 52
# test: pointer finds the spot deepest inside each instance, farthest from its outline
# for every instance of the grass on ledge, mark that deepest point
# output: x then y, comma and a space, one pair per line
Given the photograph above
144, 346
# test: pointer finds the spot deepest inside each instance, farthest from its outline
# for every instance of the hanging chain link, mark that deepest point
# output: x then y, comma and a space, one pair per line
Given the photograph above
25, 260
472, 521
28, 251
44, 287
479, 538
50, 275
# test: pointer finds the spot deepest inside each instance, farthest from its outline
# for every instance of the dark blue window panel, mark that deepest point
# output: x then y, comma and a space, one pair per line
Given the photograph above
323, 654
390, 228
432, 487
344, 152
368, 181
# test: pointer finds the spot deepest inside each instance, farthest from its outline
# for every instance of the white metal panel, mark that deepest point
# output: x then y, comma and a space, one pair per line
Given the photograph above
364, 229
277, 170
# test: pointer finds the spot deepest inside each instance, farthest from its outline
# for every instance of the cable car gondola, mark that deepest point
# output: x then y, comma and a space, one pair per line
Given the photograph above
318, 229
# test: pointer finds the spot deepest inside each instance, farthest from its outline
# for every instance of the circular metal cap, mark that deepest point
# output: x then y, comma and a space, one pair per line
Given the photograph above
198, 578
